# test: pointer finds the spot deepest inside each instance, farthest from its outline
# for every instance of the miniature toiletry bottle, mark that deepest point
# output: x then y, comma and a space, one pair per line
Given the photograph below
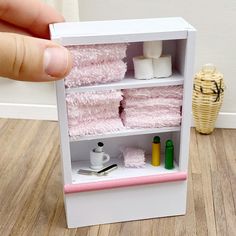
169, 155
156, 151
98, 157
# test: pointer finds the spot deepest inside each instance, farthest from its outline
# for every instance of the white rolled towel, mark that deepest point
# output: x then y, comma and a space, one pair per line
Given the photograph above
162, 66
143, 68
152, 49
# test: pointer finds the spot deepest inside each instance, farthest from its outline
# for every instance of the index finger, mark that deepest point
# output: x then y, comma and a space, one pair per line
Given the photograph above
32, 15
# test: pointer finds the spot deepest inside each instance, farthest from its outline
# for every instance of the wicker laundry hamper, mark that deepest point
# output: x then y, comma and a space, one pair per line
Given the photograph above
208, 93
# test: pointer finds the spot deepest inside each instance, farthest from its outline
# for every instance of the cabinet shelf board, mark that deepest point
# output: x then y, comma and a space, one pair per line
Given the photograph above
130, 82
121, 177
126, 132
79, 33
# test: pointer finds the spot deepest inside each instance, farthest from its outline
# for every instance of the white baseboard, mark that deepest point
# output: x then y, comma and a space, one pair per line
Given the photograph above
49, 112
28, 111
224, 120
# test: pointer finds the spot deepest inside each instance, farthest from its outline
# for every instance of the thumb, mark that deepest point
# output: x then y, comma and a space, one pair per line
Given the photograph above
31, 59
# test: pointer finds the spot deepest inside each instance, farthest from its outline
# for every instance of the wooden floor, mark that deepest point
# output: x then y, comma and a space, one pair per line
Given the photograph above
31, 193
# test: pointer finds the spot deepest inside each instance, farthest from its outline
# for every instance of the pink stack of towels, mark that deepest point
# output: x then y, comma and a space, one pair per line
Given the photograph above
92, 113
152, 107
96, 64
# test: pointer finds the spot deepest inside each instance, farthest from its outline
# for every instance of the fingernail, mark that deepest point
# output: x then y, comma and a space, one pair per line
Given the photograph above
56, 60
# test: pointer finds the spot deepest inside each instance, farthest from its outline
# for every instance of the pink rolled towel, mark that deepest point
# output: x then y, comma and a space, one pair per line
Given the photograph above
87, 55
133, 157
164, 92
96, 127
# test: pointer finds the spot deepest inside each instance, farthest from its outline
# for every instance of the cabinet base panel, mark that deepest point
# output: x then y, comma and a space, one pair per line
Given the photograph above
126, 204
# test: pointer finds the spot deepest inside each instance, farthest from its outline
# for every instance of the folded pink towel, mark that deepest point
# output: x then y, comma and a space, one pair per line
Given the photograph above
133, 157
94, 74
87, 55
150, 121
96, 127
152, 107
152, 111
150, 102
95, 98
164, 92
77, 120
95, 112
91, 113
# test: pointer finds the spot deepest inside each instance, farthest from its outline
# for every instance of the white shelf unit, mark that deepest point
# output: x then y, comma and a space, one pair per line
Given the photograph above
127, 194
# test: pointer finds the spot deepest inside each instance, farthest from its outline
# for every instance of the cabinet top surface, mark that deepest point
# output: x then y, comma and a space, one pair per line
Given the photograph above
120, 30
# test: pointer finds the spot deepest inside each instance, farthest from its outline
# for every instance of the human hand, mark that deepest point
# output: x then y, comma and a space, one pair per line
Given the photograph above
25, 52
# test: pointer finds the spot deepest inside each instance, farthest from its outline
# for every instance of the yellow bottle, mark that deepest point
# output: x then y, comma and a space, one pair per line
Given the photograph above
156, 151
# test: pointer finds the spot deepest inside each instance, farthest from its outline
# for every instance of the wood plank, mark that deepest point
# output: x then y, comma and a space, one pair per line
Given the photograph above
146, 227
229, 137
115, 229
104, 230
208, 163
194, 154
130, 228
82, 231
189, 220
225, 172
93, 230
164, 226
220, 217
180, 226
3, 126
199, 204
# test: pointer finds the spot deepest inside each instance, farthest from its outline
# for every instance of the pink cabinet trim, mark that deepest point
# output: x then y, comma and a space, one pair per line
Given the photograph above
126, 182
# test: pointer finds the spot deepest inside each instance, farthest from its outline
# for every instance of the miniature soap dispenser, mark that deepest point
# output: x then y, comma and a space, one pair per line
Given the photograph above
98, 157
169, 155
99, 147
156, 151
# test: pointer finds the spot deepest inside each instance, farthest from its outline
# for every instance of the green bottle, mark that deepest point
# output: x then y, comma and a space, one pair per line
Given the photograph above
169, 155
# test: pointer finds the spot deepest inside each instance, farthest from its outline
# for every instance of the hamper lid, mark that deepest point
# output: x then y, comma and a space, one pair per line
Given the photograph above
209, 82
209, 72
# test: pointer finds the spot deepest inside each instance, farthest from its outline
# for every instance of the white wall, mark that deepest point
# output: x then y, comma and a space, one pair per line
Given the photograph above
214, 20
34, 100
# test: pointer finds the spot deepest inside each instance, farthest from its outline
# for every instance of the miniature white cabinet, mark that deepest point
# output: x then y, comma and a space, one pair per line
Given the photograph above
127, 194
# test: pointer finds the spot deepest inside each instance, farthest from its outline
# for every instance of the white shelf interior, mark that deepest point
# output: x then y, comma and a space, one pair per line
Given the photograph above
113, 146
80, 146
170, 47
121, 172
